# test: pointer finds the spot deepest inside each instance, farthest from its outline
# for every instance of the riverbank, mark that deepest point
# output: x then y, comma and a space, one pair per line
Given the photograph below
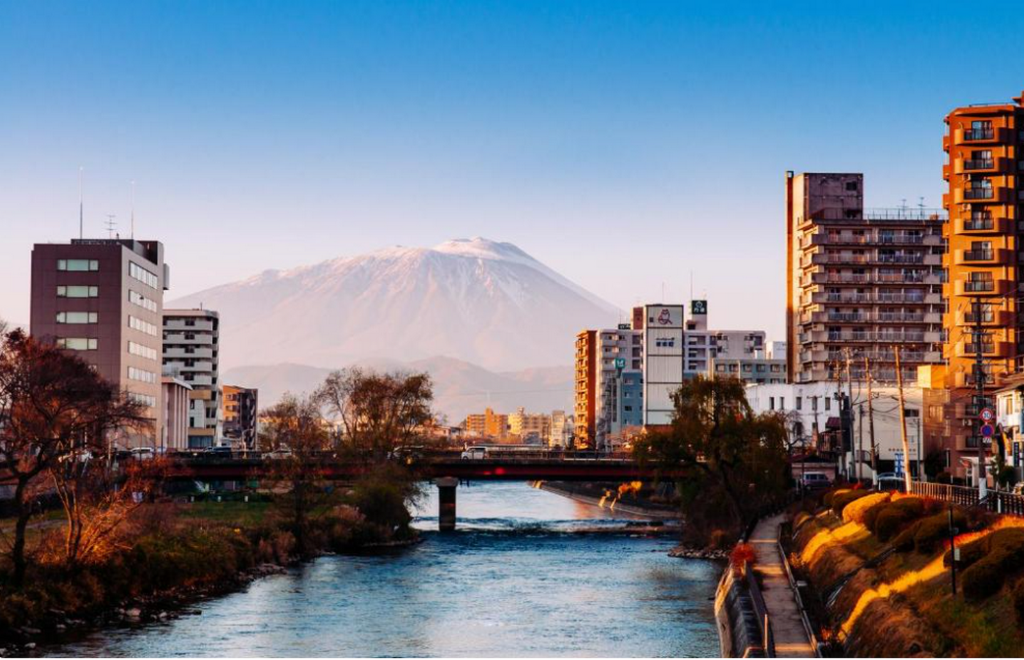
604, 496
168, 557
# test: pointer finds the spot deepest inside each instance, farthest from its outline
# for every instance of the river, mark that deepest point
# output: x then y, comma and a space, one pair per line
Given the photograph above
516, 579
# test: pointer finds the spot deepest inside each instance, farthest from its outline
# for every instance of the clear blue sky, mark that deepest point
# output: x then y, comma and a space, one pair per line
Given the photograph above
623, 143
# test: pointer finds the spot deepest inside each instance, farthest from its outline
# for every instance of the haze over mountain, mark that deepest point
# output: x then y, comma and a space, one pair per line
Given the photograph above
475, 300
459, 387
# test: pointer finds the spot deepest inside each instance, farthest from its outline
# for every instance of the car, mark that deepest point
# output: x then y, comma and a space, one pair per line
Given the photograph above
279, 454
474, 454
889, 476
812, 480
143, 453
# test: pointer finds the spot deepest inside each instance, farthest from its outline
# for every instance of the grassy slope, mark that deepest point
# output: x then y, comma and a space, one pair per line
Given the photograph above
987, 628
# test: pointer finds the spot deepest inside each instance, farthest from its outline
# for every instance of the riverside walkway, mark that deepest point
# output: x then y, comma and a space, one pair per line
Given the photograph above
790, 635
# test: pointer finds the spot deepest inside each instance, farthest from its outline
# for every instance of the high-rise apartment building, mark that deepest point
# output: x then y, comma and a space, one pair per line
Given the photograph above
859, 282
241, 406
586, 388
191, 341
985, 200
102, 299
663, 359
531, 428
609, 383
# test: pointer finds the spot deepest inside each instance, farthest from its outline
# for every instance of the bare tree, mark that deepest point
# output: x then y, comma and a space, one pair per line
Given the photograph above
296, 427
53, 407
379, 412
98, 502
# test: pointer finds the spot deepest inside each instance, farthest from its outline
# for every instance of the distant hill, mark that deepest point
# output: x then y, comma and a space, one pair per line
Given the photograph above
459, 387
476, 300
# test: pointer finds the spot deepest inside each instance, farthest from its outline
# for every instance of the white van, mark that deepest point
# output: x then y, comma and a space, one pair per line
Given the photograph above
474, 454
815, 480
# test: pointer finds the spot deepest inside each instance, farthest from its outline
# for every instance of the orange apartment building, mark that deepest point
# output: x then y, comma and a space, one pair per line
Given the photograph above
984, 199
586, 388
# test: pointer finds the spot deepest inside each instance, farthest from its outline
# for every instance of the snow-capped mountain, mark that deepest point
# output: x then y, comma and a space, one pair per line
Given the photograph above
475, 300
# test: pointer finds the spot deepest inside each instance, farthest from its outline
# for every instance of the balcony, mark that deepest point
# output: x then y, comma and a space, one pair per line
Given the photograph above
986, 194
980, 288
979, 135
906, 278
993, 349
984, 224
981, 256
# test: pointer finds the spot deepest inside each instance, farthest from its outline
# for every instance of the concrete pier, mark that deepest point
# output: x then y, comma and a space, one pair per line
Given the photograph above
446, 502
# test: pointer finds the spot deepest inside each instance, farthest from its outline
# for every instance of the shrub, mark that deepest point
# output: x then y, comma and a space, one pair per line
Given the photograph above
857, 510
904, 541
741, 554
840, 500
896, 516
826, 500
984, 577
934, 529
1018, 601
969, 553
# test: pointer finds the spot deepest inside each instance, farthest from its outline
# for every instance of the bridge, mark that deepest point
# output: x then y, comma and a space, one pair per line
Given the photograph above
445, 468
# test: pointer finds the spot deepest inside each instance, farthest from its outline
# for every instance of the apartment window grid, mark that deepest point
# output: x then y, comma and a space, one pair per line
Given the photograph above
141, 274
75, 318
73, 291
78, 343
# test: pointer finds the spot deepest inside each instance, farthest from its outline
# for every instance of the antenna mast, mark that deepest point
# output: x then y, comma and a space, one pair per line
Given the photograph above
111, 225
81, 206
133, 211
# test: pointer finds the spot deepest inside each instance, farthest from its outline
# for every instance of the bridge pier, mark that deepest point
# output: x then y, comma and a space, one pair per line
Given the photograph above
446, 502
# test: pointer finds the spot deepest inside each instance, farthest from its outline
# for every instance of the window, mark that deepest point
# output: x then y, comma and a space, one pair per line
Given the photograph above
143, 399
142, 350
78, 292
851, 186
142, 301
141, 375
828, 403
78, 265
142, 326
141, 274
799, 403
782, 403
771, 403
77, 343
77, 317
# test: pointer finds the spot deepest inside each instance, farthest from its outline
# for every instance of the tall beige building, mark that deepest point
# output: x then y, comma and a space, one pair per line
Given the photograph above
859, 282
191, 339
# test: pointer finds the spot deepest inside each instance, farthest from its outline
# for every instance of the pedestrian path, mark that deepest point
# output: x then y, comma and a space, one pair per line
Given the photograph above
791, 640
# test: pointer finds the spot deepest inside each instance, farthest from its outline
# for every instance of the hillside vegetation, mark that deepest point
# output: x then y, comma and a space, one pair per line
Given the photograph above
882, 563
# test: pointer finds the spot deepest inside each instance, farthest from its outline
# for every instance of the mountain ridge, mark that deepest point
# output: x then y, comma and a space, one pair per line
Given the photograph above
485, 302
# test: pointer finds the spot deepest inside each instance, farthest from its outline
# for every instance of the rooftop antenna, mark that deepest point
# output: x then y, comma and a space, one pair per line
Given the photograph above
111, 225
81, 206
691, 286
920, 205
663, 292
133, 211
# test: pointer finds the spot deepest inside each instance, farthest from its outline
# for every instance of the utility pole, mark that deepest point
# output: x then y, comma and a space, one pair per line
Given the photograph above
871, 422
979, 383
954, 552
903, 424
860, 440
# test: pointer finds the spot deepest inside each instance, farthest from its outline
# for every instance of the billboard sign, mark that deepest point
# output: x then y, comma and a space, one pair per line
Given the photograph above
665, 316
698, 307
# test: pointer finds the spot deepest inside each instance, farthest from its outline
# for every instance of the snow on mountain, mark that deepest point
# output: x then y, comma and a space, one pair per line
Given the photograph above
475, 300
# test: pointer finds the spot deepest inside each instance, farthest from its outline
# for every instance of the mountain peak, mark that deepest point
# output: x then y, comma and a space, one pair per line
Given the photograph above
478, 300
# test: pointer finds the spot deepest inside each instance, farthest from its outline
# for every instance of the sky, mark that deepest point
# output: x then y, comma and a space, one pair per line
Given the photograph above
624, 144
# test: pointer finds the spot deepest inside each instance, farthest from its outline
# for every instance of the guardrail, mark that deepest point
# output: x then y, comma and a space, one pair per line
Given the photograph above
996, 501
761, 609
796, 594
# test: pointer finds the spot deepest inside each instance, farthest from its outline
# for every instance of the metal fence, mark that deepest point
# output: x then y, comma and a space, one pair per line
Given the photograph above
761, 609
996, 501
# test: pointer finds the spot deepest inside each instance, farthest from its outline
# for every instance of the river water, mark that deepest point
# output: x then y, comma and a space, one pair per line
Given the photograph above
518, 578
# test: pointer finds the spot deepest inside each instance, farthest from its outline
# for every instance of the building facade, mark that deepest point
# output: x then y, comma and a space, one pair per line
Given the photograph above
103, 299
176, 402
191, 342
859, 283
241, 408
530, 428
985, 199
585, 402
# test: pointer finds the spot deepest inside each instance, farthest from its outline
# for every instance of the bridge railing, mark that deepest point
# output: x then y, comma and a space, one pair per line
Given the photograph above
996, 501
492, 455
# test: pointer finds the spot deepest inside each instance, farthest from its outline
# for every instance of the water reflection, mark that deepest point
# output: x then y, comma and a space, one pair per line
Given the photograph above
513, 581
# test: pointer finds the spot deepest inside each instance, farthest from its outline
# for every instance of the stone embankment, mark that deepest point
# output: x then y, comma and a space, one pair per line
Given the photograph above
595, 494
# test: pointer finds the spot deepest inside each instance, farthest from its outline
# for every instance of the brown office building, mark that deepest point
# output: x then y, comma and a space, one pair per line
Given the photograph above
103, 299
985, 204
859, 283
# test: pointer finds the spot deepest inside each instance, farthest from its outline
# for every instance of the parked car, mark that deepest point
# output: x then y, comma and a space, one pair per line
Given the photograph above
813, 480
474, 454
143, 453
279, 454
889, 476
